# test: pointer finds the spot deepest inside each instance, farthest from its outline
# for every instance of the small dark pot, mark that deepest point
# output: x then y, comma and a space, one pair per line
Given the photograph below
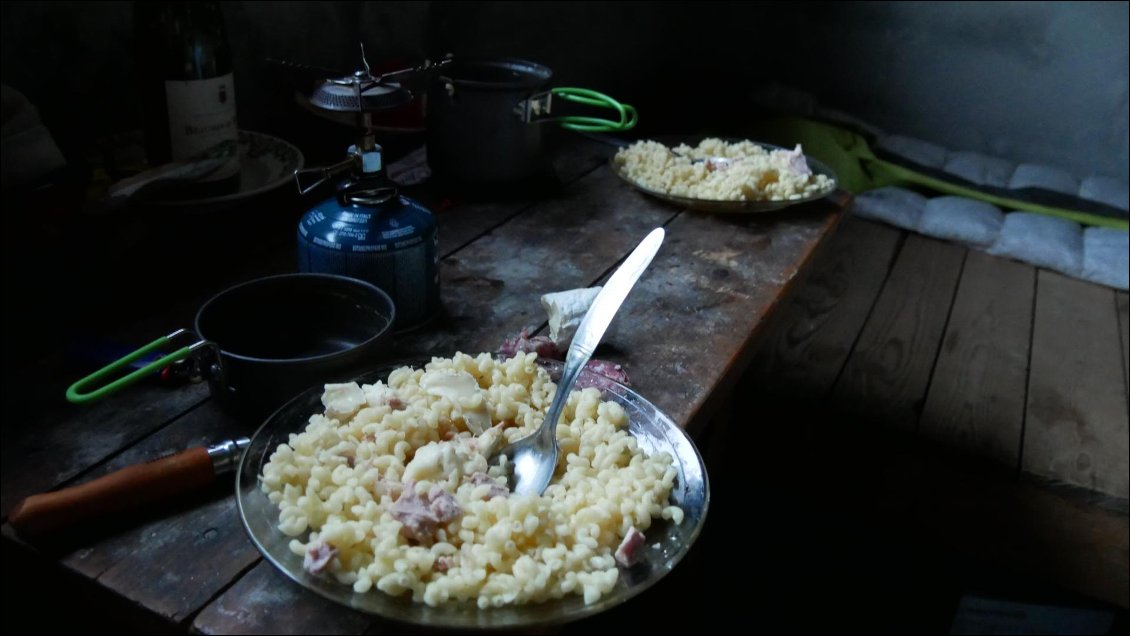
278, 336
476, 135
262, 342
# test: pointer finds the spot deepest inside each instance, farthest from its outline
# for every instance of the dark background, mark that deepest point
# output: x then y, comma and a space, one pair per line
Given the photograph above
1032, 82
1028, 81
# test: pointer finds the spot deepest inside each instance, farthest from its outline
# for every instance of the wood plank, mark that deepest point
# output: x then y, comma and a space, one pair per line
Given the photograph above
980, 512
887, 374
490, 289
43, 452
462, 221
1076, 430
168, 576
685, 333
1029, 529
1122, 300
410, 169
807, 342
132, 538
48, 440
174, 558
976, 399
890, 509
266, 602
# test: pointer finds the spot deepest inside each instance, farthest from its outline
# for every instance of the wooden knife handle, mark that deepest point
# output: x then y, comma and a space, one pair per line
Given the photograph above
128, 488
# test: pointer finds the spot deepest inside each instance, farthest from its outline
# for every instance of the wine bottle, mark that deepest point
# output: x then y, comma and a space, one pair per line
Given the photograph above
188, 93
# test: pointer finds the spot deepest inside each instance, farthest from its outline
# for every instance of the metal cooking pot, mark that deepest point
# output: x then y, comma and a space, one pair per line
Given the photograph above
262, 342
486, 117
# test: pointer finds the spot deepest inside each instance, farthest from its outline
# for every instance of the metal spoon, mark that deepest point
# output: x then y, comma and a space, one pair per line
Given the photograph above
533, 459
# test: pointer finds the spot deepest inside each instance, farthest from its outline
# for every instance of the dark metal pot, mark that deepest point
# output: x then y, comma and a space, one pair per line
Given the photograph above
262, 342
478, 130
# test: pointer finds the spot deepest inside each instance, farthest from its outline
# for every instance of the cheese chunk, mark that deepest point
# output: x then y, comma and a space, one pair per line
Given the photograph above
342, 401
463, 391
565, 310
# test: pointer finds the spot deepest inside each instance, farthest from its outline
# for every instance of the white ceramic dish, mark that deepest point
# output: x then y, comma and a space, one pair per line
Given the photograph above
266, 163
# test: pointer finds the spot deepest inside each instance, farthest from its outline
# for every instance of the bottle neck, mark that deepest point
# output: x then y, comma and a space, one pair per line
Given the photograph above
186, 89
182, 40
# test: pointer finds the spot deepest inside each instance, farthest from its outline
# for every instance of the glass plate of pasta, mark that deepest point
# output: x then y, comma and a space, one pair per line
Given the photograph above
376, 495
723, 175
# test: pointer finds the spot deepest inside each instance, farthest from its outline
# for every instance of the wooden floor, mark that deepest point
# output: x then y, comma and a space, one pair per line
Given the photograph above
1020, 366
1007, 383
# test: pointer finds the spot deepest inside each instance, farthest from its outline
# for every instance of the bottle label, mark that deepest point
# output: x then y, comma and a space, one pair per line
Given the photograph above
202, 122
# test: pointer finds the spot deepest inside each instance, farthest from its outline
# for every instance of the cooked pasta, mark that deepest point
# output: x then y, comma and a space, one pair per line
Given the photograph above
722, 171
390, 487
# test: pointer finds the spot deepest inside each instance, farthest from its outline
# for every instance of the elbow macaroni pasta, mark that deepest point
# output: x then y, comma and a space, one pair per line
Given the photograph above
336, 482
753, 173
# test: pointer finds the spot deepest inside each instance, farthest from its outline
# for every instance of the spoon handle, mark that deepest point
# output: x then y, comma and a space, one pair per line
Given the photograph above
574, 362
596, 322
612, 295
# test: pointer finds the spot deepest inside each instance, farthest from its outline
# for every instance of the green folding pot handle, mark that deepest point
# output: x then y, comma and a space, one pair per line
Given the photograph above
628, 117
891, 173
859, 169
80, 392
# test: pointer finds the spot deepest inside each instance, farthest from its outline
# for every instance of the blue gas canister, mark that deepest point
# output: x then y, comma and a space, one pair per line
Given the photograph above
371, 232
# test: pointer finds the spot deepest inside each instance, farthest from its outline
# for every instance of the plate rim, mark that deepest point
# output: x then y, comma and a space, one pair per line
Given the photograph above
726, 206
300, 162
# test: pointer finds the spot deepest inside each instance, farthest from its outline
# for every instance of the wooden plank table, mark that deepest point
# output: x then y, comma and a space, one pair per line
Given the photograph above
684, 334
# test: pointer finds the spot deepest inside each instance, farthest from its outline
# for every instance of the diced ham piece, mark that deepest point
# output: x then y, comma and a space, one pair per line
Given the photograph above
443, 563
545, 348
601, 369
318, 557
796, 162
523, 343
714, 164
496, 489
628, 552
609, 370
443, 505
421, 516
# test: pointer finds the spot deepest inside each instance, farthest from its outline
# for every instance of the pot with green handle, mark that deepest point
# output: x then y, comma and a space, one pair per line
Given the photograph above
261, 342
487, 117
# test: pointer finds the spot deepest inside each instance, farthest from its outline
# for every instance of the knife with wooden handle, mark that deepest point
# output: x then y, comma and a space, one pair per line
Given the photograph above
126, 489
